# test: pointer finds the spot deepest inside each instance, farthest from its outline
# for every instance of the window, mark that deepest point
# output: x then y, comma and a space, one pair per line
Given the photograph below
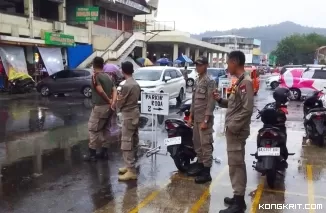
307, 74
212, 72
179, 74
80, 73
190, 71
63, 74
167, 73
319, 74
147, 75
173, 73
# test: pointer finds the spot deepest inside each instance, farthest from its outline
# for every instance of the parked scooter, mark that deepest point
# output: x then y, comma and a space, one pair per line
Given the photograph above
180, 145
271, 152
21, 85
314, 118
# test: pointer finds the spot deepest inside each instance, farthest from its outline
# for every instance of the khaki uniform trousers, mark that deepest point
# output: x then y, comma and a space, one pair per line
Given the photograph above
236, 160
203, 143
130, 141
98, 120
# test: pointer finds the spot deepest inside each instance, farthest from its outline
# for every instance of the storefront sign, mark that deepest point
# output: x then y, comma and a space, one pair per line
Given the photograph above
133, 4
58, 39
256, 51
84, 14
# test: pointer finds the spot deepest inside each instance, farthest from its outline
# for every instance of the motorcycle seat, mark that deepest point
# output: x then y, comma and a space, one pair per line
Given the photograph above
317, 110
269, 127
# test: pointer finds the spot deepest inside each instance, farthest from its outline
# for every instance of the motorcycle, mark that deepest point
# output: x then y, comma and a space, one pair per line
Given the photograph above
315, 118
179, 142
271, 152
21, 85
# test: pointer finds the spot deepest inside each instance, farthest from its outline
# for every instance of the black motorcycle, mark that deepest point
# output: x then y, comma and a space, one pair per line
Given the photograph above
314, 118
179, 142
271, 152
21, 85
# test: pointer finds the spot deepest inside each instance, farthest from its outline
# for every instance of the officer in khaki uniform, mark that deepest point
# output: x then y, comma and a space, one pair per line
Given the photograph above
237, 122
104, 96
127, 104
202, 118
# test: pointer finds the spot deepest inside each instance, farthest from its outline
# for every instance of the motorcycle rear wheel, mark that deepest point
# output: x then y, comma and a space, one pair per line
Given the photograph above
271, 178
181, 162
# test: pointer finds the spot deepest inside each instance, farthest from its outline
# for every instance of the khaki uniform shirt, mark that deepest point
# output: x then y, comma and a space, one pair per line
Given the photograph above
127, 101
239, 105
203, 103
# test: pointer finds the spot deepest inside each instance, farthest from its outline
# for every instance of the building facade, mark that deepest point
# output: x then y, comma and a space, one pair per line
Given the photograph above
77, 28
249, 46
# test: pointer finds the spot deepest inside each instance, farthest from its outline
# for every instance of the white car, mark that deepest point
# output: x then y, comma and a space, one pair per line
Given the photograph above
161, 80
192, 76
273, 81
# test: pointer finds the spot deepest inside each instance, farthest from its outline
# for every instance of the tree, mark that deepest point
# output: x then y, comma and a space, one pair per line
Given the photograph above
298, 49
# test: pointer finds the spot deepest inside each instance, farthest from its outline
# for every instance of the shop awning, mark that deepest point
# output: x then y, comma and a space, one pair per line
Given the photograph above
184, 59
52, 59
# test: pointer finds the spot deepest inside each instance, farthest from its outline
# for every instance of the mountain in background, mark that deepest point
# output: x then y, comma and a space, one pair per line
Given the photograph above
269, 35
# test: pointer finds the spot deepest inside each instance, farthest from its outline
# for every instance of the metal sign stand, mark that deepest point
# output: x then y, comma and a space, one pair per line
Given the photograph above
224, 84
153, 149
147, 106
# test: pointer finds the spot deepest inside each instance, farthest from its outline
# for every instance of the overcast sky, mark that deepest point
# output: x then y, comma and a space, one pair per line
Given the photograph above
197, 16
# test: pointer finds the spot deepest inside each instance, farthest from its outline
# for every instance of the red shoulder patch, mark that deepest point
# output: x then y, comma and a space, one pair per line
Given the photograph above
284, 110
243, 88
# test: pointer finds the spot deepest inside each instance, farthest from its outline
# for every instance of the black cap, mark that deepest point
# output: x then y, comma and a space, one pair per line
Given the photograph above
201, 60
127, 67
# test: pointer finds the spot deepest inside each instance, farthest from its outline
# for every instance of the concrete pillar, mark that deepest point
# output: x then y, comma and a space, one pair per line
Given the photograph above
144, 51
196, 53
175, 51
187, 53
28, 10
205, 54
62, 11
210, 59
89, 24
225, 57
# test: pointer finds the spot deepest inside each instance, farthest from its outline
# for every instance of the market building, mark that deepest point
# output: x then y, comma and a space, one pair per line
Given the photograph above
54, 34
249, 46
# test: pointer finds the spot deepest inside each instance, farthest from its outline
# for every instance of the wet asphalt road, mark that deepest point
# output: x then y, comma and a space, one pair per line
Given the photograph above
42, 141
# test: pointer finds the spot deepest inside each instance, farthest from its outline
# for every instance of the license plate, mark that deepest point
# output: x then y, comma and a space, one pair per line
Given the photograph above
172, 141
263, 151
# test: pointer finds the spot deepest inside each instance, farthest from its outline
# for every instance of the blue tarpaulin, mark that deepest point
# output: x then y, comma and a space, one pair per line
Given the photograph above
77, 54
184, 59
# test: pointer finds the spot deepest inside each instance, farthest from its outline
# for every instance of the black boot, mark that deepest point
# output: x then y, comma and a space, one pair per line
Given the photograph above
239, 205
103, 155
204, 176
91, 157
231, 201
195, 170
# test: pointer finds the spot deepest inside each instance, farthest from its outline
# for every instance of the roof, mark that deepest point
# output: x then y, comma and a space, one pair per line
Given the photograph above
153, 3
155, 68
189, 41
232, 36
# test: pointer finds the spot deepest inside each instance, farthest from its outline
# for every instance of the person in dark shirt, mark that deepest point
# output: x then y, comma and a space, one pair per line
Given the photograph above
104, 96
